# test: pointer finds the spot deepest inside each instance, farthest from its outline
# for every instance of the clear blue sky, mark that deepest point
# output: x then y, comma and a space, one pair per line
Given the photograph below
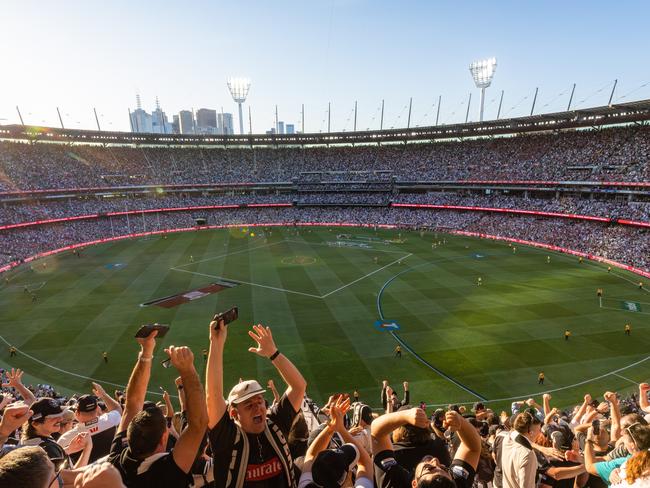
82, 54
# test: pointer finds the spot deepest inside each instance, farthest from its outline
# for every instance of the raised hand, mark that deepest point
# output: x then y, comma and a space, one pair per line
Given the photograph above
7, 398
265, 344
14, 416
14, 378
337, 412
416, 417
218, 332
181, 357
148, 344
452, 420
98, 390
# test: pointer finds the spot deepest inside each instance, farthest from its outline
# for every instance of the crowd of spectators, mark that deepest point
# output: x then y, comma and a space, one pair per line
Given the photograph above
33, 210
588, 155
278, 437
246, 439
625, 244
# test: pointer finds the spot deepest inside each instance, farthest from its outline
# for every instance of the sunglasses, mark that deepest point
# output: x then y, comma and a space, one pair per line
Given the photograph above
428, 469
629, 432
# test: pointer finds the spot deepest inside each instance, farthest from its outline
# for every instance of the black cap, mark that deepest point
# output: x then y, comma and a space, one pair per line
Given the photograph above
46, 407
331, 466
87, 403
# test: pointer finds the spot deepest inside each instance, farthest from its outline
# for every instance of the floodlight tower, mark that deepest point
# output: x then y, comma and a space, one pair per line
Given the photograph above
482, 72
239, 91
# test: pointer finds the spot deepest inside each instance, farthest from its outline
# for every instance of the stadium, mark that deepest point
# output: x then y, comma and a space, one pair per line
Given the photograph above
499, 263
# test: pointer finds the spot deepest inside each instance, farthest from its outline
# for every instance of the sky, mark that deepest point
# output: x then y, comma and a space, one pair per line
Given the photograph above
80, 55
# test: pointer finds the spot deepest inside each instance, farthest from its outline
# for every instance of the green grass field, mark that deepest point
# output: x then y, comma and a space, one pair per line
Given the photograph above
322, 301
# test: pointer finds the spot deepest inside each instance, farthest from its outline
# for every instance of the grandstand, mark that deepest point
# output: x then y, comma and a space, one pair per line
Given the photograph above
517, 203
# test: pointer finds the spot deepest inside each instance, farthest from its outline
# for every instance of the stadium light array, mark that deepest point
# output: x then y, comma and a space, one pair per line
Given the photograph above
239, 88
483, 72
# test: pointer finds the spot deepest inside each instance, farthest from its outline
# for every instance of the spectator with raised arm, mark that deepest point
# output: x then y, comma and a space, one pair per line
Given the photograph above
101, 426
636, 438
138, 450
13, 417
333, 467
15, 381
249, 443
46, 420
429, 472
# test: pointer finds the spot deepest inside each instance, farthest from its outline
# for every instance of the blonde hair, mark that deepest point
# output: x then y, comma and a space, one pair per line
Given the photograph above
637, 466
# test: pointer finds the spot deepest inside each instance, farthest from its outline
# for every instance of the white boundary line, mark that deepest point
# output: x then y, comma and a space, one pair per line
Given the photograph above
537, 393
247, 283
626, 379
228, 254
369, 274
372, 249
48, 365
176, 268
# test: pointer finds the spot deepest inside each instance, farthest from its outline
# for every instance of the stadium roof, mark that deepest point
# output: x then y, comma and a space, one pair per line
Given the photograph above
623, 113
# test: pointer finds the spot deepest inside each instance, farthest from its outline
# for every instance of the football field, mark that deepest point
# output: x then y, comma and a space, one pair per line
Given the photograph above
338, 300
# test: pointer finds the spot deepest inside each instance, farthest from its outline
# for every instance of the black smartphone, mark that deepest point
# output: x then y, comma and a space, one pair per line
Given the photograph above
167, 363
595, 425
227, 316
147, 329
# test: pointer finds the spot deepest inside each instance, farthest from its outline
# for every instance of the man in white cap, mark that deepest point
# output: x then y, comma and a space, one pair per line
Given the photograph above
249, 442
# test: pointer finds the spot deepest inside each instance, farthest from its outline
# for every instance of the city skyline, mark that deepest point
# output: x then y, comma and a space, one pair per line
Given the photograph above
339, 52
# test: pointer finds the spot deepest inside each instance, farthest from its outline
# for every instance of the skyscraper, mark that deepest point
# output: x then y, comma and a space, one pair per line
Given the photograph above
280, 127
290, 129
206, 121
159, 122
224, 124
186, 120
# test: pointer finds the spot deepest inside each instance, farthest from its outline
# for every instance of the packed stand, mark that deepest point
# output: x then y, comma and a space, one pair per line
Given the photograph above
617, 154
277, 436
624, 244
43, 209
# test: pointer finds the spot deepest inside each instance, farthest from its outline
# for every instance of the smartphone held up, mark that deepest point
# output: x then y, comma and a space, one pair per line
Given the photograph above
228, 316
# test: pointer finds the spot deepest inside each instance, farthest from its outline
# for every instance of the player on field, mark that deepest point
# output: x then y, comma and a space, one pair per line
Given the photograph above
479, 281
567, 334
599, 292
105, 357
398, 352
540, 378
548, 259
628, 329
